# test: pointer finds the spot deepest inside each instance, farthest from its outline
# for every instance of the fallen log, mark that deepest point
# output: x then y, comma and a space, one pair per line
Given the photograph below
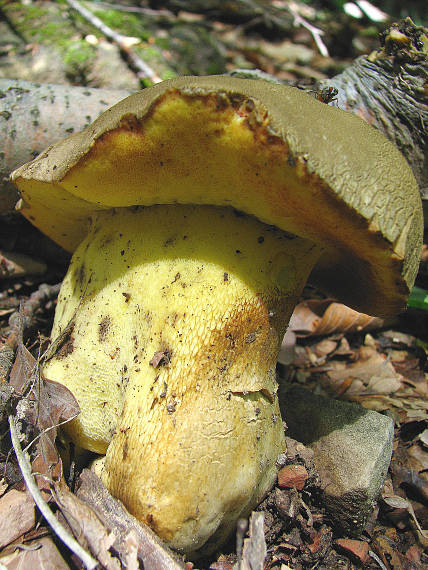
33, 116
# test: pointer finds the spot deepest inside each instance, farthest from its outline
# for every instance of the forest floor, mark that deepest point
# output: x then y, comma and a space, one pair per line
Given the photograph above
51, 42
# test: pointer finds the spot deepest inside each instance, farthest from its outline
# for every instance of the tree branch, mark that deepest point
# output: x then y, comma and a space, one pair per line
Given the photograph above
144, 71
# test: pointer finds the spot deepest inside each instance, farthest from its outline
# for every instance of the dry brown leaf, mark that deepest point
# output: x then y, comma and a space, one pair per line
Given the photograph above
408, 409
397, 502
287, 352
412, 371
17, 516
407, 471
373, 374
160, 358
315, 317
304, 321
22, 370
87, 527
413, 554
387, 552
5, 312
424, 439
418, 459
418, 415
344, 348
40, 555
56, 405
376, 402
44, 404
325, 347
13, 265
399, 337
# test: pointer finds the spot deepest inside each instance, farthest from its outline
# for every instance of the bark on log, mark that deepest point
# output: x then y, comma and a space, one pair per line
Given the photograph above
393, 103
34, 116
389, 90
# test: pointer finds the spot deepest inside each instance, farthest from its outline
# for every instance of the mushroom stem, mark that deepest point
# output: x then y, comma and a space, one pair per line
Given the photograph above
169, 325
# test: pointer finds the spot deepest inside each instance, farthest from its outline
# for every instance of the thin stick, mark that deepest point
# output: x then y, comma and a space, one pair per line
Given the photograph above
150, 13
144, 70
56, 526
19, 323
315, 32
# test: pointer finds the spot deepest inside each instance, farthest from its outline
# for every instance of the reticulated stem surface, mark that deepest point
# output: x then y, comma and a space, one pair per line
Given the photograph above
170, 320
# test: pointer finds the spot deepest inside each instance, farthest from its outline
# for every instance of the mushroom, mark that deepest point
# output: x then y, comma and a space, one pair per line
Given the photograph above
196, 210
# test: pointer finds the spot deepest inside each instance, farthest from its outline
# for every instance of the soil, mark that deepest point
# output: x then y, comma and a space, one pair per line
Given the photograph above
49, 42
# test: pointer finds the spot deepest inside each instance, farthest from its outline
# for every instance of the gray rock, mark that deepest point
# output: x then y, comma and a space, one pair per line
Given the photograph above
352, 451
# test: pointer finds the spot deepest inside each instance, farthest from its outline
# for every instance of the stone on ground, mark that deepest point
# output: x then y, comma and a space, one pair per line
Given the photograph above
352, 451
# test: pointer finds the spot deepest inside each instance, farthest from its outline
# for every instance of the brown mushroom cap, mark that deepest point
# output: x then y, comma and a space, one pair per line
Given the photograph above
268, 150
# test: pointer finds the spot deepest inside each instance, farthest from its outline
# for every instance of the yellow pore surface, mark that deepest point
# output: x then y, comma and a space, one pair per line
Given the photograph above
173, 317
187, 150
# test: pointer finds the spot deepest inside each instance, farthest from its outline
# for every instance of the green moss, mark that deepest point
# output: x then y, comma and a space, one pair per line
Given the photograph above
30, 12
126, 24
77, 53
78, 56
183, 49
168, 74
51, 32
149, 53
152, 55
43, 24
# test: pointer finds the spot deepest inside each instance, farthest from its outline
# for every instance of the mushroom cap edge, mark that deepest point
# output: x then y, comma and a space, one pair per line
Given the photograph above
367, 183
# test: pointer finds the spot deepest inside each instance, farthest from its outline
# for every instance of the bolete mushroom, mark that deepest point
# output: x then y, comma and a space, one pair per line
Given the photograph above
196, 209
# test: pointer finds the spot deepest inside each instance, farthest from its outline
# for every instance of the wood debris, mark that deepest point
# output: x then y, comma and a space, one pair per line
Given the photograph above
357, 548
292, 476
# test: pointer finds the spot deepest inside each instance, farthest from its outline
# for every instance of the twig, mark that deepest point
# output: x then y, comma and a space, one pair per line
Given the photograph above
315, 32
24, 316
19, 322
56, 526
45, 431
14, 265
377, 559
144, 70
150, 13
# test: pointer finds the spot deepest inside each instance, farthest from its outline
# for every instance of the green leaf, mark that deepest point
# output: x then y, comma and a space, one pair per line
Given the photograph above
419, 298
